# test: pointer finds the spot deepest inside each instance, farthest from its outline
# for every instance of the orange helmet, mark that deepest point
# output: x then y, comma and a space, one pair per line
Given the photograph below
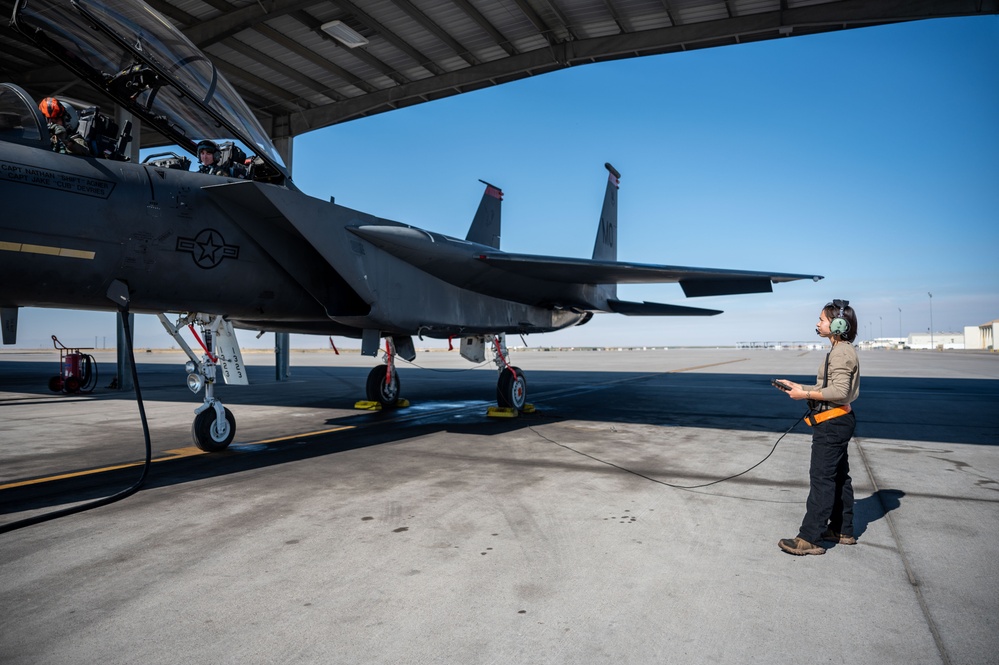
52, 108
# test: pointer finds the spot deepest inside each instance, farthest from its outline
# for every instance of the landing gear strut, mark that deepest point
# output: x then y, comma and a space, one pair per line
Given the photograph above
511, 389
214, 425
383, 381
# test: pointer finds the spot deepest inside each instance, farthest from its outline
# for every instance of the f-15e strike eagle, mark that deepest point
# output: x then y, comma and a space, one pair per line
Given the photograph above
100, 232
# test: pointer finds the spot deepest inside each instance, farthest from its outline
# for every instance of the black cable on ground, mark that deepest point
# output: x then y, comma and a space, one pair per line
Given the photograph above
662, 482
38, 519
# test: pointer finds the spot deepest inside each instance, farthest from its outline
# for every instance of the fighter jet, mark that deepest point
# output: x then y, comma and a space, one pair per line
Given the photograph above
247, 249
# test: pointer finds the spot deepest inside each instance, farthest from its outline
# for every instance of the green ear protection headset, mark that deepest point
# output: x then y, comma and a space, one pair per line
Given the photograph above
839, 325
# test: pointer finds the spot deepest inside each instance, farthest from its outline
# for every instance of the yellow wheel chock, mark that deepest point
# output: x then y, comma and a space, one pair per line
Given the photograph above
508, 411
367, 405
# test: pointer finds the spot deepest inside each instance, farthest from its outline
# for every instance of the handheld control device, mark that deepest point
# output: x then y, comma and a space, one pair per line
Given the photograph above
780, 384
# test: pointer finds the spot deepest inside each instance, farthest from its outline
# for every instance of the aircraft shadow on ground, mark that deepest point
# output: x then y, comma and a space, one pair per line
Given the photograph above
908, 409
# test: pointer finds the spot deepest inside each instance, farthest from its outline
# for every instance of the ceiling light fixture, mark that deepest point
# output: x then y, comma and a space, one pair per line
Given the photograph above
344, 34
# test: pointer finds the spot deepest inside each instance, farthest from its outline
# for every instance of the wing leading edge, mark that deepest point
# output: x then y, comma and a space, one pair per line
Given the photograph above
694, 281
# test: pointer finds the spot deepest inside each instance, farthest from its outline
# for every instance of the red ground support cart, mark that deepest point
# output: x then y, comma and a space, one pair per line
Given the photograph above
77, 370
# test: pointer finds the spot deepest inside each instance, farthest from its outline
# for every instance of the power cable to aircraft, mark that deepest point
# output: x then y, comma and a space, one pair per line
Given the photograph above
662, 482
118, 293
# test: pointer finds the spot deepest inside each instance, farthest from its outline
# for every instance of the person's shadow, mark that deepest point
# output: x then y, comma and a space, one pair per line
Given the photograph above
874, 508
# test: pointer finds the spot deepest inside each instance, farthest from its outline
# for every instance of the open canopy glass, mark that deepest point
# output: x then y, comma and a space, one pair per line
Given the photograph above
137, 57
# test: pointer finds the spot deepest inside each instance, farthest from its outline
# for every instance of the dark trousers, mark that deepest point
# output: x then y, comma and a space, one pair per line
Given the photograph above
830, 494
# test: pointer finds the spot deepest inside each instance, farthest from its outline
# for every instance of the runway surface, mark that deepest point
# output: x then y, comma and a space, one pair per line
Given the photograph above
435, 534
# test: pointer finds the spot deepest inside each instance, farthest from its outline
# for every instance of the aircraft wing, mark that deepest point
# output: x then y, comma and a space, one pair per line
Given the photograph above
551, 281
694, 281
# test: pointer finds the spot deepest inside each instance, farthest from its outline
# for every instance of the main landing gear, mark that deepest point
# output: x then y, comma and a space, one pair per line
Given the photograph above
511, 388
214, 425
383, 385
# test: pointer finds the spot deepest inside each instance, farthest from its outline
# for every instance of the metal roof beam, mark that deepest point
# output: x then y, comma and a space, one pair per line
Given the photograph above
615, 15
449, 83
281, 68
491, 30
288, 100
563, 22
694, 35
179, 16
206, 33
361, 53
539, 23
670, 12
313, 57
414, 13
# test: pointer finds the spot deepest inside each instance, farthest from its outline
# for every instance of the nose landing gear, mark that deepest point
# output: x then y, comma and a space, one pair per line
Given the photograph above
214, 425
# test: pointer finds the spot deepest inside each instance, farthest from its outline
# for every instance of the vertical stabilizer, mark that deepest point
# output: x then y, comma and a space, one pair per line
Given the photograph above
485, 228
605, 247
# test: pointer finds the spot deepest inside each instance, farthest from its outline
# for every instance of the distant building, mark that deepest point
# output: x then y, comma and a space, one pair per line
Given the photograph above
937, 340
883, 343
981, 337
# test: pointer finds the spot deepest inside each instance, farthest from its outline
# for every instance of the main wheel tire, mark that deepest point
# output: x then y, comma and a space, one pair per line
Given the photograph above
208, 436
72, 385
55, 384
386, 394
511, 392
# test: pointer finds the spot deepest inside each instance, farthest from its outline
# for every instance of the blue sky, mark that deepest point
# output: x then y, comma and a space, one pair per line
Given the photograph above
870, 156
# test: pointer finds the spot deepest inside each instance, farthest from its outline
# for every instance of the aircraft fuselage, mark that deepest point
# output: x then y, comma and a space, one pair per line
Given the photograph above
71, 225
189, 242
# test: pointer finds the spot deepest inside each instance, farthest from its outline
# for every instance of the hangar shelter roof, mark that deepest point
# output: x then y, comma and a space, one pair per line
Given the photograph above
306, 64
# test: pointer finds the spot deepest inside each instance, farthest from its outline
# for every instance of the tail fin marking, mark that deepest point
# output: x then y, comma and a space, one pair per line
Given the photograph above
485, 228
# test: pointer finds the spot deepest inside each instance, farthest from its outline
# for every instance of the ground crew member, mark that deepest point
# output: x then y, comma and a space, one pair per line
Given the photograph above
829, 510
63, 123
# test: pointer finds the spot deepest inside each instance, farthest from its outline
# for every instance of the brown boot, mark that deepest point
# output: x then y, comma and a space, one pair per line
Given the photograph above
836, 537
799, 547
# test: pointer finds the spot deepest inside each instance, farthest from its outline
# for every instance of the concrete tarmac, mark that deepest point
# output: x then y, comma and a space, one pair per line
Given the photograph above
434, 534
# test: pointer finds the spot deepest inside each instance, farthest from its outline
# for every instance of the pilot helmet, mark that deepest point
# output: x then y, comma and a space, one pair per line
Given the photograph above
208, 146
53, 109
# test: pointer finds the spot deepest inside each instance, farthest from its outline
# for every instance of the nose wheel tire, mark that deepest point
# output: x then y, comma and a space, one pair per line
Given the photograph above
511, 392
211, 436
386, 394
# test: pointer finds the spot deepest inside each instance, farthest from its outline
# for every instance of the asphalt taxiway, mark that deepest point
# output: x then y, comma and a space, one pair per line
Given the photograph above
436, 534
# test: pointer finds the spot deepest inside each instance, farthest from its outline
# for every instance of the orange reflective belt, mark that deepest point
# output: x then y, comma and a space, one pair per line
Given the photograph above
814, 419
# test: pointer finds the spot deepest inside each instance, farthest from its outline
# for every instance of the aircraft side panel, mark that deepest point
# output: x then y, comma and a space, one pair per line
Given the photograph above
71, 225
403, 298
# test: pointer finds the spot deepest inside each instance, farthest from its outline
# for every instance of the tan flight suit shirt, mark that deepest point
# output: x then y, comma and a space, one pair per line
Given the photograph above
843, 386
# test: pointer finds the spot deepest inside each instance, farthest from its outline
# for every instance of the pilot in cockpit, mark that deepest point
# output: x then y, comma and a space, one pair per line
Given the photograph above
227, 160
63, 121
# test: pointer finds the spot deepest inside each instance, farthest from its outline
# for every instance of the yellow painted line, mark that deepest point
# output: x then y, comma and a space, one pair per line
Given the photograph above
189, 451
77, 474
77, 254
176, 453
46, 250
299, 436
173, 454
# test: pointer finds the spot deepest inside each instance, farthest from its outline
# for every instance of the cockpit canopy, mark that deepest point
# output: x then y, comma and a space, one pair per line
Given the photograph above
137, 57
20, 120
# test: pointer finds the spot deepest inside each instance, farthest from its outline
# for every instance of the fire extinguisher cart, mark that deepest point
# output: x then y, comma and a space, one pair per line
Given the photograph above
77, 370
